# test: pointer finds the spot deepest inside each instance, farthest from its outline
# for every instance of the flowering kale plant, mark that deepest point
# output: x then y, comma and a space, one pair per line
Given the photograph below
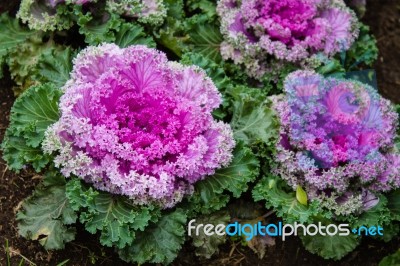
56, 14
140, 115
261, 34
337, 141
336, 159
134, 124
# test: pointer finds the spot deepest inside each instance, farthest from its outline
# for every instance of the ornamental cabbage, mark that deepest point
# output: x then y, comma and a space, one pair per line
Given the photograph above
262, 35
51, 15
337, 141
135, 124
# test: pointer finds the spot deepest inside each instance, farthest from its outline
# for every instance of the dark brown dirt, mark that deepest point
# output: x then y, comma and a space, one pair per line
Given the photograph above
384, 18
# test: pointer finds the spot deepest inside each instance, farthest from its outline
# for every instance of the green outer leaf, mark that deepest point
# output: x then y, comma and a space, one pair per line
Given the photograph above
391, 260
31, 114
55, 66
330, 247
11, 34
95, 29
378, 215
114, 216
214, 71
253, 120
46, 213
394, 204
273, 190
206, 246
205, 39
132, 34
159, 242
235, 178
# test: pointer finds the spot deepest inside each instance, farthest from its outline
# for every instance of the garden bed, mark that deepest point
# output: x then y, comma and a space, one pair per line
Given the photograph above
384, 19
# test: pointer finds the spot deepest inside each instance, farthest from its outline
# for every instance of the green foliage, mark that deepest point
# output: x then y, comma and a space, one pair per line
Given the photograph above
40, 16
273, 190
97, 29
130, 34
47, 213
391, 260
22, 61
363, 51
11, 36
112, 30
330, 247
378, 215
171, 35
159, 242
235, 178
253, 120
394, 204
55, 66
114, 217
206, 246
205, 38
204, 6
215, 71
32, 113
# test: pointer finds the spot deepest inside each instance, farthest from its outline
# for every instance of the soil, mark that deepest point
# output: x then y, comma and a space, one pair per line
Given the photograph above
384, 19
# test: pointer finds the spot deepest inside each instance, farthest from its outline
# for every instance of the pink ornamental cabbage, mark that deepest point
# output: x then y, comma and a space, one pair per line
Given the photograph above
134, 124
337, 141
261, 33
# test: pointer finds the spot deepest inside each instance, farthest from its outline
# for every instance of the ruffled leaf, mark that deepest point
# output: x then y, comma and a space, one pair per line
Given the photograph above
378, 215
205, 39
160, 242
214, 71
253, 120
55, 66
115, 218
330, 247
394, 204
172, 35
273, 191
46, 213
97, 29
363, 51
131, 34
42, 16
235, 178
11, 36
391, 260
32, 113
206, 246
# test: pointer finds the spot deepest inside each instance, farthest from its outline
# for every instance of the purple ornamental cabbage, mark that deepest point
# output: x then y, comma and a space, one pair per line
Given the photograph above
264, 34
337, 141
135, 124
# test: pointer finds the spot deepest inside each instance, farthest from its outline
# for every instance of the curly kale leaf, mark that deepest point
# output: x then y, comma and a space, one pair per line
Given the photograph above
55, 66
330, 247
32, 113
114, 217
160, 242
391, 260
11, 36
206, 246
204, 38
46, 214
278, 196
253, 120
235, 178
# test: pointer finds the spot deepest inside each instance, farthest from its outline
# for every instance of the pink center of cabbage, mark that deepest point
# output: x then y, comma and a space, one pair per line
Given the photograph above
287, 20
